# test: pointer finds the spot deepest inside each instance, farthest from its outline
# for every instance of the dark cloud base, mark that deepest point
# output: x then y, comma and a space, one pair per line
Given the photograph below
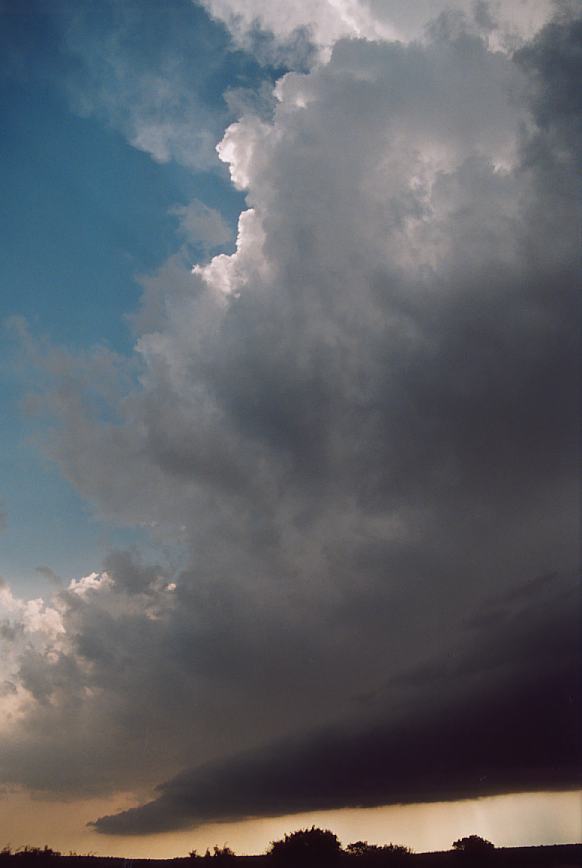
526, 739
503, 714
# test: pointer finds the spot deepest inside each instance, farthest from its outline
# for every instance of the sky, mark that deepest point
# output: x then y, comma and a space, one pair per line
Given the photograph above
290, 366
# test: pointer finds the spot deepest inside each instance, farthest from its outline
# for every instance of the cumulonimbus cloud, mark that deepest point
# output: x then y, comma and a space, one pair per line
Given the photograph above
361, 426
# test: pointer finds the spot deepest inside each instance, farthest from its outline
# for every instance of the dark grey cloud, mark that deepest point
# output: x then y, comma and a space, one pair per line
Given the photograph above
486, 724
362, 431
484, 747
553, 59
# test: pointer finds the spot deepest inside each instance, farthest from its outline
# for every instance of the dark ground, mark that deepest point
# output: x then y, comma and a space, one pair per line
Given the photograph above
558, 856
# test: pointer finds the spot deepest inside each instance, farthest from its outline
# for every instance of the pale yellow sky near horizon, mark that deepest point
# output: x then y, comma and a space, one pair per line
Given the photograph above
509, 820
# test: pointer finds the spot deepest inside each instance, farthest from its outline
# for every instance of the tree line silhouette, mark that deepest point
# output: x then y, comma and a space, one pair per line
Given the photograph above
320, 848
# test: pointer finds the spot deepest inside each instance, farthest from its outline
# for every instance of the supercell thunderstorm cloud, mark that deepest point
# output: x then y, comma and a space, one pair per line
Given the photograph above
360, 431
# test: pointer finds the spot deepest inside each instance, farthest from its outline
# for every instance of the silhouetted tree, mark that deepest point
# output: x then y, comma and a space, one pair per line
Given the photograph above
24, 855
45, 852
306, 847
221, 855
388, 854
474, 848
359, 848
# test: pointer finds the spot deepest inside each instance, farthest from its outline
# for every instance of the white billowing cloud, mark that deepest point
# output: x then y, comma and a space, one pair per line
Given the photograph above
238, 148
33, 617
344, 422
26, 626
227, 274
327, 21
396, 165
86, 584
504, 23
54, 658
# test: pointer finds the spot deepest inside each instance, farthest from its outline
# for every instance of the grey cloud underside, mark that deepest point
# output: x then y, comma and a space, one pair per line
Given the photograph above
366, 452
487, 724
484, 747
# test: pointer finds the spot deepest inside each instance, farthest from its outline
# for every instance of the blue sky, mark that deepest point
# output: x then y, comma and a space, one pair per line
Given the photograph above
84, 214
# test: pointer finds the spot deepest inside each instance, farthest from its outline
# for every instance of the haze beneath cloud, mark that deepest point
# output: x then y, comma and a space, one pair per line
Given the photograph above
356, 434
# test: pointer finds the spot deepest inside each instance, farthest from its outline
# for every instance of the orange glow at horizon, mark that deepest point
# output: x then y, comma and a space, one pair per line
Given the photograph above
510, 820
